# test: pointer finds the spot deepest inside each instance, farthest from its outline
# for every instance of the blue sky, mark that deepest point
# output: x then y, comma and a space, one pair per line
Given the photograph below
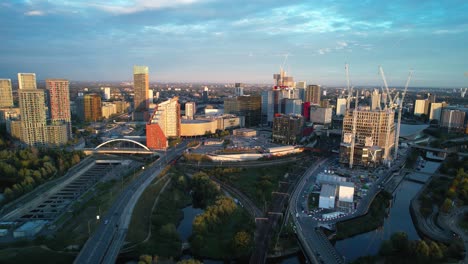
238, 41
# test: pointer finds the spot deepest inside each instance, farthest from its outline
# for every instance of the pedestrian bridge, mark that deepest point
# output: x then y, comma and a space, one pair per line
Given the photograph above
120, 146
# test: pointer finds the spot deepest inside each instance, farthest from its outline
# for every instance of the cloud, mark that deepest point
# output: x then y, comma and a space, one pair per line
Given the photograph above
34, 13
135, 6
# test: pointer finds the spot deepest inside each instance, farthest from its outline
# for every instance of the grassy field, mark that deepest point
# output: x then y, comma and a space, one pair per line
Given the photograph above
372, 220
141, 218
34, 255
257, 183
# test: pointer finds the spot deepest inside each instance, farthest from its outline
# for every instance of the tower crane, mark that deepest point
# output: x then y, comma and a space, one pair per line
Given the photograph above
350, 93
353, 137
388, 108
400, 108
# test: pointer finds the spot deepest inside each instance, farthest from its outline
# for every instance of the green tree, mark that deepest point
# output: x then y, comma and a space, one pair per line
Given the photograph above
189, 261
242, 243
400, 242
386, 249
421, 249
447, 205
435, 250
146, 259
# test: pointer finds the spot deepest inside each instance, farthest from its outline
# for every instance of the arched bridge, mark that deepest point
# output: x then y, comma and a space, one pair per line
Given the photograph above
121, 146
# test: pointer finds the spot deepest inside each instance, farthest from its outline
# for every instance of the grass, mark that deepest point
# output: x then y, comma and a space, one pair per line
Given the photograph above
34, 254
463, 223
141, 218
372, 220
256, 183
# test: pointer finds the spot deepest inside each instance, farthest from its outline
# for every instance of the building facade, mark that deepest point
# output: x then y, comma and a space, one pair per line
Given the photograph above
321, 115
190, 110
340, 106
59, 102
92, 107
6, 95
313, 94
163, 123
287, 129
374, 138
247, 106
33, 117
436, 111
421, 107
141, 87
453, 119
27, 81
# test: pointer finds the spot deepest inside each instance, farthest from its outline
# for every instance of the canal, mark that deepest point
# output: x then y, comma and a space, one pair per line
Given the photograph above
399, 219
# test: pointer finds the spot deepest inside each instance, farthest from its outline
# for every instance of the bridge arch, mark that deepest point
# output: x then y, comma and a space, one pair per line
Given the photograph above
122, 139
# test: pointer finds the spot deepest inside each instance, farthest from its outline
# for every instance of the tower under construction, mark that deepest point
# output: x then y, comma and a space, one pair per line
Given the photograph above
374, 136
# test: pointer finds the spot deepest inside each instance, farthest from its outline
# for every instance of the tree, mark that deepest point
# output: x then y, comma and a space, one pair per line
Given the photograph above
242, 243
146, 259
189, 261
421, 249
447, 205
386, 249
400, 242
435, 250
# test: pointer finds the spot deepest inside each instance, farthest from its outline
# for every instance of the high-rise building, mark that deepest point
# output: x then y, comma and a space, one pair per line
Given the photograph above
301, 85
163, 124
141, 86
282, 80
375, 102
321, 115
107, 92
312, 94
453, 119
27, 81
436, 111
287, 129
340, 106
59, 102
239, 89
6, 96
431, 98
247, 106
205, 94
33, 117
150, 97
374, 138
292, 106
92, 107
190, 110
421, 107
57, 134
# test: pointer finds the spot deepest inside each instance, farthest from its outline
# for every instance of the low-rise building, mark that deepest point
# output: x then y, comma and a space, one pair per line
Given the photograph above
244, 132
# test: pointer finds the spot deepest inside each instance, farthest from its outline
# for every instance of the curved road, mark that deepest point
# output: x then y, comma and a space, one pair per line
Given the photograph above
105, 243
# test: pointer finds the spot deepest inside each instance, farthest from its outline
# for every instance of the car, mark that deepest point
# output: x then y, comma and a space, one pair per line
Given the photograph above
106, 222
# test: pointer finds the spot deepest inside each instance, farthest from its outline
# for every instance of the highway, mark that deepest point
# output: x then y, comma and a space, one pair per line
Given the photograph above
105, 243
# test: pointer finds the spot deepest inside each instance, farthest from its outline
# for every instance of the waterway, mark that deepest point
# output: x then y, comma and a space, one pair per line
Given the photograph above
399, 219
407, 129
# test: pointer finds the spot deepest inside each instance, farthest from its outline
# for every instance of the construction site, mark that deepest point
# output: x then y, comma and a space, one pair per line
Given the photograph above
370, 136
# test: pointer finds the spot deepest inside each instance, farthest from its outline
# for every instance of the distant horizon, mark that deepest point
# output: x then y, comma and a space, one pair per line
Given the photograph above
248, 83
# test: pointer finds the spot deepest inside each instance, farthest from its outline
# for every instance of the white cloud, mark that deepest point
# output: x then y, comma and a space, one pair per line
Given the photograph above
134, 6
34, 13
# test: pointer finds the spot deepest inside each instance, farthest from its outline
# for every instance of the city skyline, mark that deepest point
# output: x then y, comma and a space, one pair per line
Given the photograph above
214, 41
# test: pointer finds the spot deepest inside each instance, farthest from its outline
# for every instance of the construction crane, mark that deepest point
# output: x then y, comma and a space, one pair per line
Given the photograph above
400, 108
353, 137
350, 93
388, 108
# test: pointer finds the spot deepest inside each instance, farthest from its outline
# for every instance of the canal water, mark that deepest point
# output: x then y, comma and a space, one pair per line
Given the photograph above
399, 219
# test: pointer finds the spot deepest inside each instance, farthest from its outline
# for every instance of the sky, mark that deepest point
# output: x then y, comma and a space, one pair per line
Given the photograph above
238, 41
